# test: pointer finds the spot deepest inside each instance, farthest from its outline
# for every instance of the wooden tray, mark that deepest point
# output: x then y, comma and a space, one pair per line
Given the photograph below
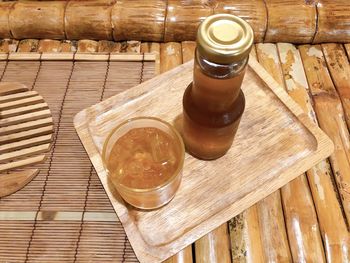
275, 143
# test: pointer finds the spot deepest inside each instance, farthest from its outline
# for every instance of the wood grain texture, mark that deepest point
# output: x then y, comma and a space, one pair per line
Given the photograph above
5, 8
331, 117
8, 88
155, 49
325, 195
148, 244
298, 25
294, 77
268, 57
131, 46
21, 102
68, 46
254, 12
28, 45
22, 163
25, 143
214, 247
21, 134
347, 48
299, 212
335, 235
16, 96
184, 256
12, 182
49, 45
333, 21
8, 45
26, 134
109, 46
139, 20
273, 230
28, 20
87, 46
168, 62
170, 53
188, 49
89, 21
339, 68
184, 17
301, 222
24, 152
175, 20
246, 243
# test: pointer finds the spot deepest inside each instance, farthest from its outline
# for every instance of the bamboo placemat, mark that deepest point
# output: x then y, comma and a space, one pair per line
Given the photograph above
63, 215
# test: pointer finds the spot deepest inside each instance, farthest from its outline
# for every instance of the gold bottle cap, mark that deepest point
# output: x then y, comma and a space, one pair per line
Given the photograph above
224, 38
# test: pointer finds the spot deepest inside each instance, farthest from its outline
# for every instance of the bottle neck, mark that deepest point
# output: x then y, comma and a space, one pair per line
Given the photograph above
220, 71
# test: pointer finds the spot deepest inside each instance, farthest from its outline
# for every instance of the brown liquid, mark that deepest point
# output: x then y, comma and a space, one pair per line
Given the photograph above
144, 158
212, 105
209, 135
215, 94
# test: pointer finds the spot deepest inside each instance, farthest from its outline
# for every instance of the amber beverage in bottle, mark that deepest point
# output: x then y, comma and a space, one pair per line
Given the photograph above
214, 102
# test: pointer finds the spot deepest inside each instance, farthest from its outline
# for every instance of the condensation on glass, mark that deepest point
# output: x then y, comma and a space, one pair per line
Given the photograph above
214, 103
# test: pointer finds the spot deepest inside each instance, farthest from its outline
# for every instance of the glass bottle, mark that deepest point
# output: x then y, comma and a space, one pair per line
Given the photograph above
214, 103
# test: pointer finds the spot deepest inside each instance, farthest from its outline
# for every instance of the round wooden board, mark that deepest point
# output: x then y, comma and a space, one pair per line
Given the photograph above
26, 128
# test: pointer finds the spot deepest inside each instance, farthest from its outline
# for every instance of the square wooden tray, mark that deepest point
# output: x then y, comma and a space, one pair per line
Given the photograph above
275, 143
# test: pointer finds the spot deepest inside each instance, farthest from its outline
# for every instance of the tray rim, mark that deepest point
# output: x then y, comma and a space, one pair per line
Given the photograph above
323, 149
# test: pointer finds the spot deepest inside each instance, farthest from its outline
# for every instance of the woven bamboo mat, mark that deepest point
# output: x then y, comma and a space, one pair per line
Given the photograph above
63, 214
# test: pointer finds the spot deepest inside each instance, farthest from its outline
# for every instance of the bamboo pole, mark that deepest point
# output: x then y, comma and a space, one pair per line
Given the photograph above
280, 28
300, 215
108, 46
188, 49
246, 243
87, 46
174, 20
68, 46
331, 118
37, 20
131, 46
139, 20
28, 45
5, 8
339, 68
8, 45
301, 222
319, 177
273, 232
184, 256
183, 19
89, 21
170, 56
48, 45
333, 21
214, 247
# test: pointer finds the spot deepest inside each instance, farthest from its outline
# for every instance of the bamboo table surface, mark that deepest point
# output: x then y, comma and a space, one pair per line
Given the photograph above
306, 220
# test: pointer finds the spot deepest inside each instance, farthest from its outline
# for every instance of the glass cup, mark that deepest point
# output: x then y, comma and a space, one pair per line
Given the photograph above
146, 198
